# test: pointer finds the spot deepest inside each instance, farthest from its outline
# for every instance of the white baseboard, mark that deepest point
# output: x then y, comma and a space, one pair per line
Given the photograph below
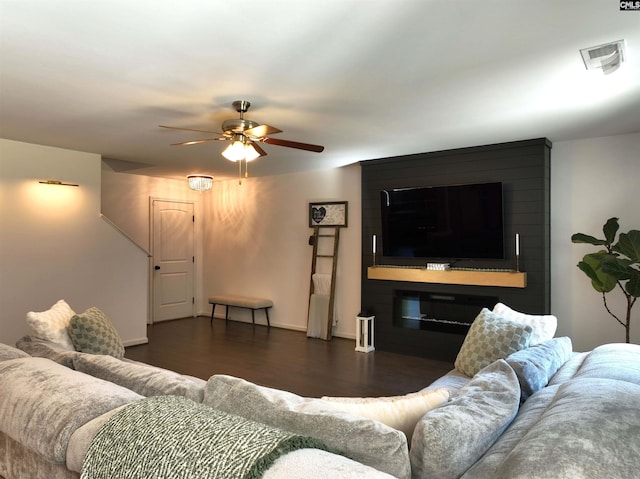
293, 327
135, 342
261, 322
345, 336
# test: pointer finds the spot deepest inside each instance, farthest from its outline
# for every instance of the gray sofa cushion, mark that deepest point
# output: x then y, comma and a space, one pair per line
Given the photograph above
41, 348
527, 417
364, 440
43, 403
454, 380
536, 365
612, 361
319, 464
587, 428
449, 439
9, 352
81, 439
142, 378
18, 461
568, 369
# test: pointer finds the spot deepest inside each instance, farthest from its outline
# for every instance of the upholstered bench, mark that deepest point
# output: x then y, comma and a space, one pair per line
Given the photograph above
240, 302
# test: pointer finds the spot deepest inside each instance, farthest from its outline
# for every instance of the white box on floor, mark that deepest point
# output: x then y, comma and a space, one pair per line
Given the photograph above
364, 334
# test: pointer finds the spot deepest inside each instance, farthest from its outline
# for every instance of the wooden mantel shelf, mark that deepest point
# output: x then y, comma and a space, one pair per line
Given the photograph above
506, 279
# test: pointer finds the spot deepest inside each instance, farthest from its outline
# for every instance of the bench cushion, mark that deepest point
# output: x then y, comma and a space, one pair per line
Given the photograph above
241, 301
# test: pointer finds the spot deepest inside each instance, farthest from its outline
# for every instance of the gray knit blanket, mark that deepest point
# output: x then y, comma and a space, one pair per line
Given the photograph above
175, 438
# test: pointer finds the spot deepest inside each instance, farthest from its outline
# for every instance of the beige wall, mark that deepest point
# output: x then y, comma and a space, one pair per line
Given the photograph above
125, 200
591, 180
253, 238
257, 243
54, 244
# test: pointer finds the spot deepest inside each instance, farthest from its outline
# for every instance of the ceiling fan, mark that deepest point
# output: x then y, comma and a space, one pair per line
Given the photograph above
244, 136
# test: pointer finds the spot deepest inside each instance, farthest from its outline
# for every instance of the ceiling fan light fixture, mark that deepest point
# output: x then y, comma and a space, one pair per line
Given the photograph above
200, 182
239, 150
235, 151
250, 152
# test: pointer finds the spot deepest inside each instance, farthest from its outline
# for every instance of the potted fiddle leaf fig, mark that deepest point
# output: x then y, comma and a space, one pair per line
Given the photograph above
615, 266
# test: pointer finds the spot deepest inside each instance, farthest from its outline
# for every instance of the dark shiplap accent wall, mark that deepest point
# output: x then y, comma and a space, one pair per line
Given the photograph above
523, 167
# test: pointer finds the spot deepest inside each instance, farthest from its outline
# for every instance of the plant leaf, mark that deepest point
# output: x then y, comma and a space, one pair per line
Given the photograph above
583, 238
591, 266
610, 229
633, 285
619, 268
629, 245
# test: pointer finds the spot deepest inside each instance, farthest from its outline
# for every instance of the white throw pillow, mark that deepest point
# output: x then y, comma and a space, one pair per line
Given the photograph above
51, 325
544, 326
398, 412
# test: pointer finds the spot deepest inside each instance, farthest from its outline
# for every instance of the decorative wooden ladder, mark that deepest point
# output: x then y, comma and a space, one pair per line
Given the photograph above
314, 241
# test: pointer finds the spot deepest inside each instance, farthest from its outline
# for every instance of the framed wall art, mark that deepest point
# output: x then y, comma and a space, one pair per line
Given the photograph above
328, 213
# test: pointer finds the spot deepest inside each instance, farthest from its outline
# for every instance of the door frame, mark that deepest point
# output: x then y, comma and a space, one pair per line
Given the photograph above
196, 251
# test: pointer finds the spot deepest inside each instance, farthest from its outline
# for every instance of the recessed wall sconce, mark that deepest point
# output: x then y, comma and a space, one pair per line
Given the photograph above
56, 182
607, 56
200, 182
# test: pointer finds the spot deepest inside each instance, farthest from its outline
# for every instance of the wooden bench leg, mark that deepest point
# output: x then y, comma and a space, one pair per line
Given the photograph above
226, 314
266, 313
253, 316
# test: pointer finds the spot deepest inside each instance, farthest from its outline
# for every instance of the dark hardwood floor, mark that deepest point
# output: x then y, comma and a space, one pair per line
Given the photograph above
282, 359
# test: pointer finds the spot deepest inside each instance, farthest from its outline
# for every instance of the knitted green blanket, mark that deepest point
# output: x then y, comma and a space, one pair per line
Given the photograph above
173, 437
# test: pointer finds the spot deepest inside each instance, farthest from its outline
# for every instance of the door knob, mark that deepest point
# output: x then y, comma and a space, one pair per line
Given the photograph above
156, 267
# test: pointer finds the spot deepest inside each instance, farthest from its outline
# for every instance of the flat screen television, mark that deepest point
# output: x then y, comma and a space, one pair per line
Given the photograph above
443, 222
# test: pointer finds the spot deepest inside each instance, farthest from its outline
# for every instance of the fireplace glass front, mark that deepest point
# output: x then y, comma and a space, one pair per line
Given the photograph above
448, 313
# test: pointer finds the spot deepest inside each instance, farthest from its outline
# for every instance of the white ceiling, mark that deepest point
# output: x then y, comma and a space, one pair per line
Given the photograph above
365, 78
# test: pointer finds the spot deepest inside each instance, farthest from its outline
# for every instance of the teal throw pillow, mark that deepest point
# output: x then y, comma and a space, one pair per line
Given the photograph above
490, 337
92, 332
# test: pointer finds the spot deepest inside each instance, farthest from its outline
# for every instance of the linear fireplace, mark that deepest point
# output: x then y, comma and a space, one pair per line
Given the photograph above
443, 312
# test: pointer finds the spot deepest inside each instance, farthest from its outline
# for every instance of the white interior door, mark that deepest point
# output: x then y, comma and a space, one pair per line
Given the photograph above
173, 260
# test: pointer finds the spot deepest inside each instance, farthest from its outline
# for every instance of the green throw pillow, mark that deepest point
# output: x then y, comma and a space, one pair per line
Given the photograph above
491, 337
92, 332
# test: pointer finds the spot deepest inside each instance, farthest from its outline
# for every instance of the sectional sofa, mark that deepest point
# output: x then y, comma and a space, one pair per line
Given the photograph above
518, 404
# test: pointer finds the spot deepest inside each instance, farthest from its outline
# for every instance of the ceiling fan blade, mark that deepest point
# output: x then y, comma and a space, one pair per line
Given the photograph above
262, 131
258, 148
294, 144
195, 142
190, 129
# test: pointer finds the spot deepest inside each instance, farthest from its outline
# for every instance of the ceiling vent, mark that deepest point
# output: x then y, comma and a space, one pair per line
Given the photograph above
608, 56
